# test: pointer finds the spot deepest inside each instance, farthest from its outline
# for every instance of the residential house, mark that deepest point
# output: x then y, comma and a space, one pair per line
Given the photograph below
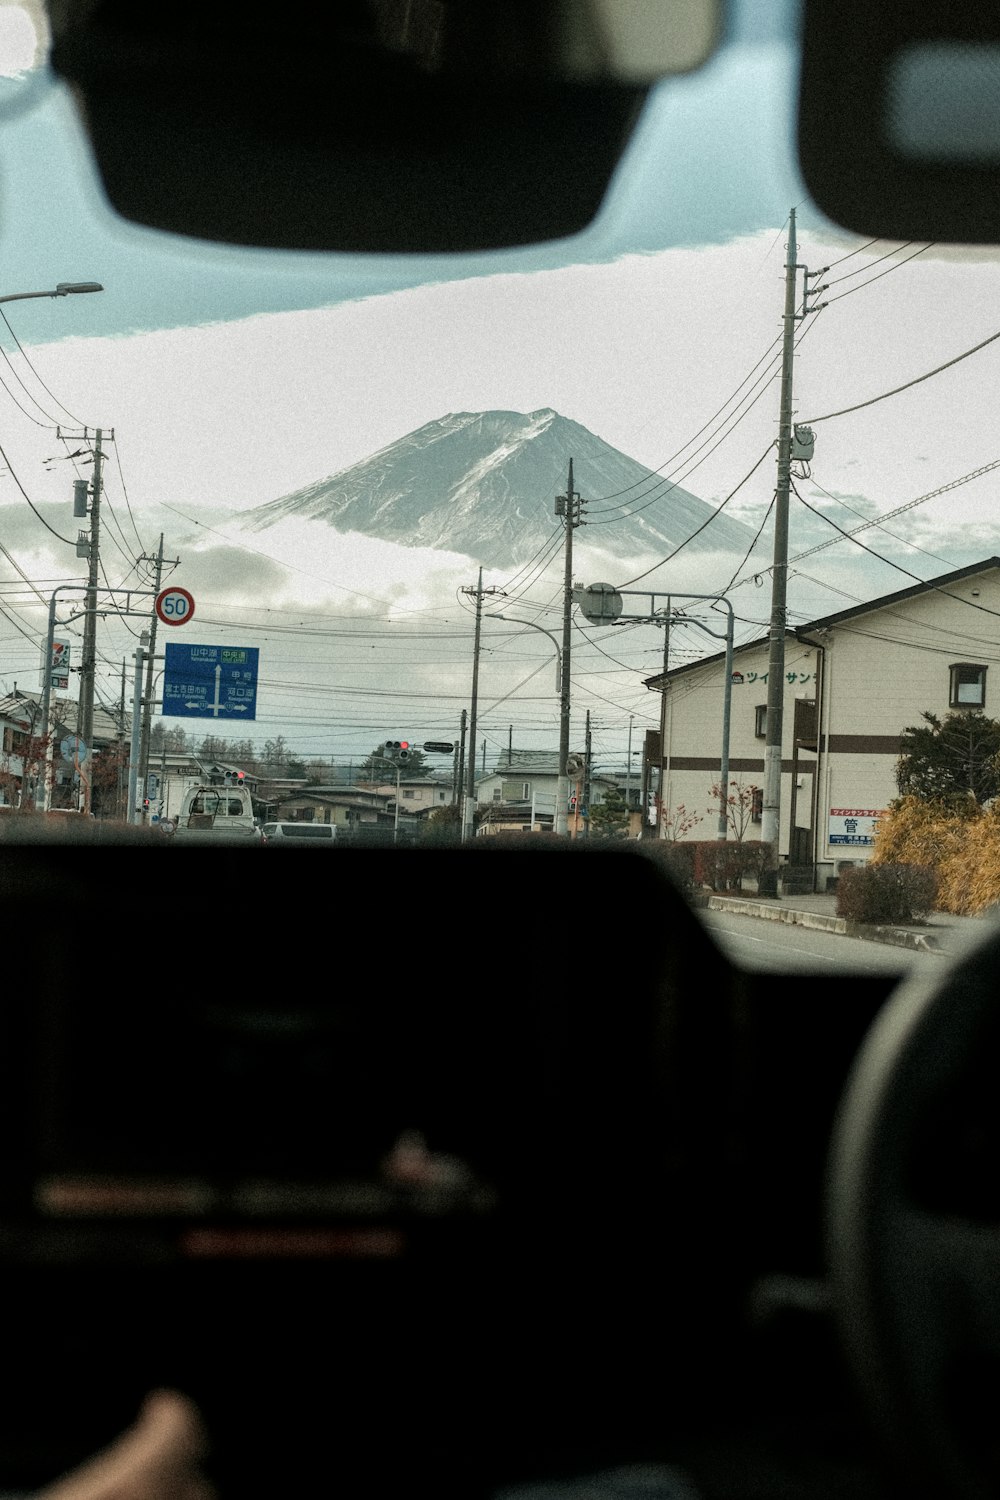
853, 682
519, 795
354, 810
418, 795
20, 723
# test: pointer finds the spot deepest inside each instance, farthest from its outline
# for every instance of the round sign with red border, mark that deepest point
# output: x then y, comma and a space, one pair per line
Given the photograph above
175, 606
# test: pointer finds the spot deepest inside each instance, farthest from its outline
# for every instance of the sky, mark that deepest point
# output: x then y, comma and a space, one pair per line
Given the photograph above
222, 379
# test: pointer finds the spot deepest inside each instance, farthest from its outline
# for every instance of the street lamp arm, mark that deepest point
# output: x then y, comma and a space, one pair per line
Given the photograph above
510, 620
62, 289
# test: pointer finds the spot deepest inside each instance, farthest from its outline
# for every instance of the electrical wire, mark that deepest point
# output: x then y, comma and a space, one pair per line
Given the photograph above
671, 555
860, 405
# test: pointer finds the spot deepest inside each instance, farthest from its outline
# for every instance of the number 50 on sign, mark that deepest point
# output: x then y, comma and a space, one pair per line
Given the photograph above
174, 606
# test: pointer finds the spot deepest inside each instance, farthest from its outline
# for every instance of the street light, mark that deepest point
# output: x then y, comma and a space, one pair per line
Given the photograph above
602, 605
61, 289
509, 620
559, 822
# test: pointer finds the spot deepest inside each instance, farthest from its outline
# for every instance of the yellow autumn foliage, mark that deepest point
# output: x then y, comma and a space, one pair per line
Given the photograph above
958, 839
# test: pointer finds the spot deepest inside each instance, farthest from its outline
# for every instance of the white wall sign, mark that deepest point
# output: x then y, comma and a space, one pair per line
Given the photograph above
854, 825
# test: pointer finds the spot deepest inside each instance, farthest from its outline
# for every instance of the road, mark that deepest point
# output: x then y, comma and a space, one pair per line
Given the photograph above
783, 947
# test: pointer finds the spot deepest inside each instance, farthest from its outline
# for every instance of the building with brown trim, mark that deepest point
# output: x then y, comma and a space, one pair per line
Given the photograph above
854, 681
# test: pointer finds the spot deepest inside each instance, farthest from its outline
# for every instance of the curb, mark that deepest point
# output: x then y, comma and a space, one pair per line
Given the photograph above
898, 937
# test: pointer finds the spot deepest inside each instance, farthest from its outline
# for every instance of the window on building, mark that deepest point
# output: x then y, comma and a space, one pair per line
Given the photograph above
409, 793
760, 721
756, 804
967, 686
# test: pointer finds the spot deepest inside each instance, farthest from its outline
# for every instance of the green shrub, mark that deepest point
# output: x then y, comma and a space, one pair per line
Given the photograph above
880, 893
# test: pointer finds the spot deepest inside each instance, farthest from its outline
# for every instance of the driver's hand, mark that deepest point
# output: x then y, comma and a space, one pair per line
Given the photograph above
158, 1458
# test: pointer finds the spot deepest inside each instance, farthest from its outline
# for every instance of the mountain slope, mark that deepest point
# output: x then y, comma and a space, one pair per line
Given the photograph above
484, 484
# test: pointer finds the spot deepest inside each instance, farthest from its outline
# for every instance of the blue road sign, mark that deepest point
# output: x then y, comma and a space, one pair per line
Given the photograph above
209, 682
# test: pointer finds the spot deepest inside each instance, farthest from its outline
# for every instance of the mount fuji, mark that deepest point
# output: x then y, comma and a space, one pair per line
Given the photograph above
485, 484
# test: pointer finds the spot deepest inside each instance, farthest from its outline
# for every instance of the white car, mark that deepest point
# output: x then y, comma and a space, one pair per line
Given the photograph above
300, 833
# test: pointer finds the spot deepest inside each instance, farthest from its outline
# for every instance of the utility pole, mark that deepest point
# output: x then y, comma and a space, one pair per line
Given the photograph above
460, 769
85, 711
568, 506
147, 702
120, 793
469, 809
661, 788
587, 782
770, 828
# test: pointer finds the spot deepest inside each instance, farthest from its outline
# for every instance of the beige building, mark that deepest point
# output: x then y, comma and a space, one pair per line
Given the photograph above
854, 681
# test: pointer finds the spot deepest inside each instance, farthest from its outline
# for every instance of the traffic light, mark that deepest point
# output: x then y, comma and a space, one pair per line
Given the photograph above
398, 749
234, 778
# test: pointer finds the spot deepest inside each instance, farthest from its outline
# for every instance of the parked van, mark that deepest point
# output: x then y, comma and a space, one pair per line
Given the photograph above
300, 833
216, 814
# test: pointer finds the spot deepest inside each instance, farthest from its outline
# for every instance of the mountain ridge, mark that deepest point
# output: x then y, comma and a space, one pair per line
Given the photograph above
476, 482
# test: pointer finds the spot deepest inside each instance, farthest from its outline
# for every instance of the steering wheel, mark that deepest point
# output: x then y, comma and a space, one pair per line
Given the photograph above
913, 1226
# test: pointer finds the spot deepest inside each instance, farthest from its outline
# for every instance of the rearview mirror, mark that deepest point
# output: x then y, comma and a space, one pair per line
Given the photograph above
377, 125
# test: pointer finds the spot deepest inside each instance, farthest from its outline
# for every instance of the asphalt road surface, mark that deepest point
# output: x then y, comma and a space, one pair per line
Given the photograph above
754, 943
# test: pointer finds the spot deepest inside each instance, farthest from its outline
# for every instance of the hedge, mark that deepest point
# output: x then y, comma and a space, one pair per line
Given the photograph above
886, 893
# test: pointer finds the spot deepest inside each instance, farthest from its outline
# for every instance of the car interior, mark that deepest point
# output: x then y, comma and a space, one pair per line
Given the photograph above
514, 1212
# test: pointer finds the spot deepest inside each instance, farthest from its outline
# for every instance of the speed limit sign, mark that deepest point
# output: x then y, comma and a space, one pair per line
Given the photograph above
174, 606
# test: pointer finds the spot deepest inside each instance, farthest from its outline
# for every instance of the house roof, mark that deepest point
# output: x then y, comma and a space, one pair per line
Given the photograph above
941, 584
525, 762
21, 706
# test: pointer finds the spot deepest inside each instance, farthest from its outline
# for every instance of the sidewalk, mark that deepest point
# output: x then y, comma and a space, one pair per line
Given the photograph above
942, 932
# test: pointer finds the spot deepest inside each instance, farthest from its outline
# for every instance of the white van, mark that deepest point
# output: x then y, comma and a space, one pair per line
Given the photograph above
216, 814
300, 833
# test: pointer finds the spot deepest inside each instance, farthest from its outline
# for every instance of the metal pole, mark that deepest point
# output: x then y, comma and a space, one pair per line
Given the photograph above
133, 763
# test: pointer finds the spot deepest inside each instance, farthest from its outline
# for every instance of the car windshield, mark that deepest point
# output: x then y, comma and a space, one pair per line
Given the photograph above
433, 426
327, 504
